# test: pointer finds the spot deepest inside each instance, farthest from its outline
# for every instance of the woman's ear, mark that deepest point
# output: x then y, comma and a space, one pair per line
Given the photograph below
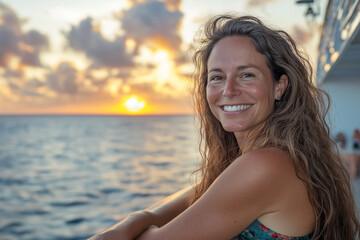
281, 86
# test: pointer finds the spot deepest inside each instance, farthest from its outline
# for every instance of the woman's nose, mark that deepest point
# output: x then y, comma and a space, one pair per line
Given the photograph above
231, 89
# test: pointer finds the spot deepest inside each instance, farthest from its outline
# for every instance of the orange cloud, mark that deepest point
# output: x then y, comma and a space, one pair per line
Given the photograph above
15, 42
117, 70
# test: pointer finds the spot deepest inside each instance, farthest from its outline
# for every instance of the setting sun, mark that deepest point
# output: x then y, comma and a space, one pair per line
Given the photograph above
133, 104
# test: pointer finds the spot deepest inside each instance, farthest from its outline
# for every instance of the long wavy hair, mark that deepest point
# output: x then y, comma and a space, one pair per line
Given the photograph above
297, 125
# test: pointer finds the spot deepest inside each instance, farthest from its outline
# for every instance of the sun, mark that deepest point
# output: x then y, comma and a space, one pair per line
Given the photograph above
133, 104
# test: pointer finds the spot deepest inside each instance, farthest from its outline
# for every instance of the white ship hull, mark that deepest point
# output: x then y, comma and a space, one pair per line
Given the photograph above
338, 69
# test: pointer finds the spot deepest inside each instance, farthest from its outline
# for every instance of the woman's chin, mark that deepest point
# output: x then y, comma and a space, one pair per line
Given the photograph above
232, 128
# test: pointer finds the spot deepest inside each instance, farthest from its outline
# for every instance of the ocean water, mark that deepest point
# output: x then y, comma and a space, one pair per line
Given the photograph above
68, 177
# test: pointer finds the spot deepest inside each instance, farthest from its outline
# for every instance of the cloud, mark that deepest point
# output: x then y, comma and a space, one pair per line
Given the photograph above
14, 42
63, 79
30, 89
159, 100
173, 4
9, 33
102, 52
34, 83
152, 22
19, 86
12, 74
33, 43
115, 71
9, 17
155, 94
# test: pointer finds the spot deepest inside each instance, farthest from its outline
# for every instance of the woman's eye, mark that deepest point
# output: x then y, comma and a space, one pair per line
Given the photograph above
247, 75
215, 78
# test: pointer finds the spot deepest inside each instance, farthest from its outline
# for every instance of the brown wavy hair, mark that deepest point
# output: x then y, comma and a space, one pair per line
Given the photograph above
297, 125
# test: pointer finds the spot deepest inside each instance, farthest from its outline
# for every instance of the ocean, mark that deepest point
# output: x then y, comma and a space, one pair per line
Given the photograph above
68, 177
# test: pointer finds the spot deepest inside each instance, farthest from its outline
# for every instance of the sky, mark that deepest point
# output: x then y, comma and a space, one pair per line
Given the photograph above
118, 56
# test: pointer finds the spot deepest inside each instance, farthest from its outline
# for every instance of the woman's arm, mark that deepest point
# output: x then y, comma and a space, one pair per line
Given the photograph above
167, 209
250, 187
158, 214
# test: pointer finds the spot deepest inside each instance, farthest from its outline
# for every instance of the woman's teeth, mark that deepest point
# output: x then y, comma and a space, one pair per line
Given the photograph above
235, 108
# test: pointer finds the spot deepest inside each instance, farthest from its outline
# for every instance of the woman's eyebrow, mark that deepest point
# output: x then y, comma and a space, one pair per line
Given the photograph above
215, 70
242, 67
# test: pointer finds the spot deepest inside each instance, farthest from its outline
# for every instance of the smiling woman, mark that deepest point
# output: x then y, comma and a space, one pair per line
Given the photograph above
269, 169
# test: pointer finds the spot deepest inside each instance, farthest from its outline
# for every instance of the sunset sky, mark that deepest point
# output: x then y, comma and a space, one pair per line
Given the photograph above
116, 57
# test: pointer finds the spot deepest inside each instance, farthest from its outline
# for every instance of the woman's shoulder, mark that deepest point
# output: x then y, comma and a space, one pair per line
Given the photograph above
271, 160
272, 174
268, 172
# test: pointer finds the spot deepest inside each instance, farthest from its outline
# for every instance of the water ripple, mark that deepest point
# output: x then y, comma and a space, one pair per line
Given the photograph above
75, 221
69, 204
68, 177
111, 190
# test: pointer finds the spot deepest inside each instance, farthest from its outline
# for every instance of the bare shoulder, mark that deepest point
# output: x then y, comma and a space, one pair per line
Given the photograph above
268, 173
264, 174
267, 161
288, 209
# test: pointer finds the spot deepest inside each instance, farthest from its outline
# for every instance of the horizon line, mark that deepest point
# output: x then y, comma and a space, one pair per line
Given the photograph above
94, 114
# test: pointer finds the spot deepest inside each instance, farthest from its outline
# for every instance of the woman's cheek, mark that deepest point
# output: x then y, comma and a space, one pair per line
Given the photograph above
212, 93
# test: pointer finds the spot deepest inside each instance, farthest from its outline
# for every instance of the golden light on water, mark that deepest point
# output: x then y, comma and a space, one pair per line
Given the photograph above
134, 104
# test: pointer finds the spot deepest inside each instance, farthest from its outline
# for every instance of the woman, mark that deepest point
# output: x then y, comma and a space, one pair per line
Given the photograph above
269, 168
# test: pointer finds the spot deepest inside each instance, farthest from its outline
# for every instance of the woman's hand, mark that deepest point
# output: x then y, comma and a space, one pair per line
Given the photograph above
128, 229
159, 214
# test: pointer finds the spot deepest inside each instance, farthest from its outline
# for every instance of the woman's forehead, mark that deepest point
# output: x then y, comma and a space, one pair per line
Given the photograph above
235, 50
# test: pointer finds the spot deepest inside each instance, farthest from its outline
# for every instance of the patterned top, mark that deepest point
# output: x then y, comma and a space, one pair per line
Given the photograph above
258, 231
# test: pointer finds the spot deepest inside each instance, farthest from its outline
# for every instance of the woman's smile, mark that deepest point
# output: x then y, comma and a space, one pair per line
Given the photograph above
235, 108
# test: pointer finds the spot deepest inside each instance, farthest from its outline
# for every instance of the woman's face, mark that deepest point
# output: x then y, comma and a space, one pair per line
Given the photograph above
240, 89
